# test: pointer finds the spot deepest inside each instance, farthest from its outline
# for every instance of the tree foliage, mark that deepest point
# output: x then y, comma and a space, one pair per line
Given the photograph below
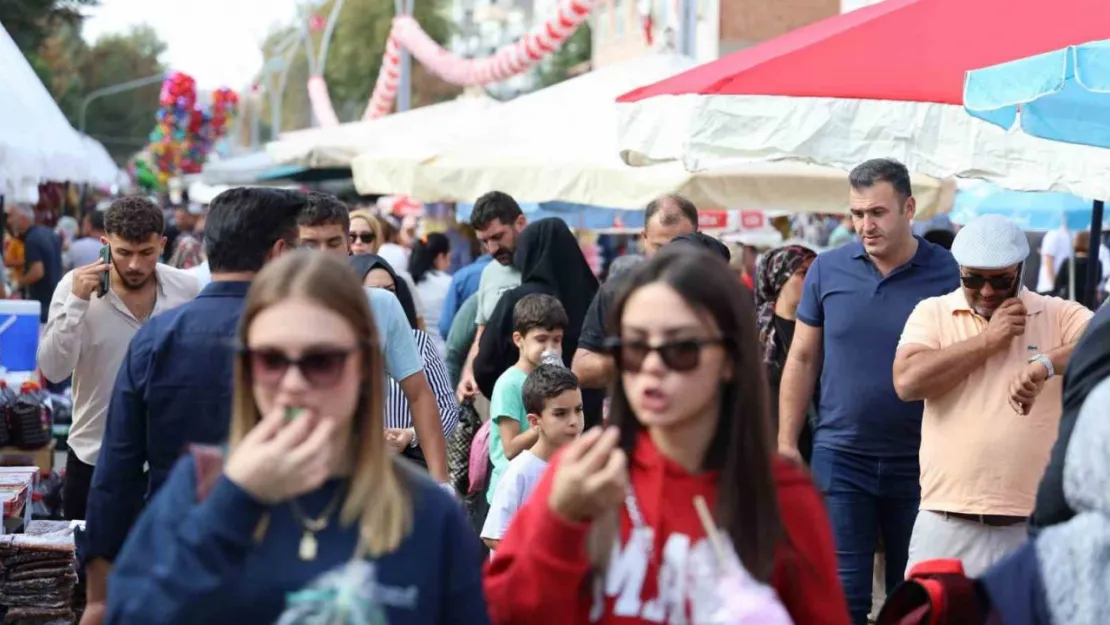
48, 33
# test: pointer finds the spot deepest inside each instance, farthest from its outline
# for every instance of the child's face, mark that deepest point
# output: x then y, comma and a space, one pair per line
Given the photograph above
562, 418
537, 341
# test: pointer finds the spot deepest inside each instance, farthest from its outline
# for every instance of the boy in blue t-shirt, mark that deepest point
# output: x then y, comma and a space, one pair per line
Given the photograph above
538, 324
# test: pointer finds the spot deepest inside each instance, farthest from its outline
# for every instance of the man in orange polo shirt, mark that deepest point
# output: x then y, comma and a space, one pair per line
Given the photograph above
987, 360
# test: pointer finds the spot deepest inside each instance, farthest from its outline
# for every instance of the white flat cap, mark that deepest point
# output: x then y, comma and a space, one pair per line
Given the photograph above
990, 242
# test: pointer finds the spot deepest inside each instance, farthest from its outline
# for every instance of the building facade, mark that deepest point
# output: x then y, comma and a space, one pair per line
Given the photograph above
625, 29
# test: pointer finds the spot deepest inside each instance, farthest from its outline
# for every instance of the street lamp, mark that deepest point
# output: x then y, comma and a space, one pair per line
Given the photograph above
114, 89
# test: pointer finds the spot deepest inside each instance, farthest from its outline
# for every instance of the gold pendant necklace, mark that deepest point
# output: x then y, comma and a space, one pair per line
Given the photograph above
309, 547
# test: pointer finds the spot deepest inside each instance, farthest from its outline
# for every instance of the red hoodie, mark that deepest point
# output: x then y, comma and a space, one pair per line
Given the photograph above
541, 572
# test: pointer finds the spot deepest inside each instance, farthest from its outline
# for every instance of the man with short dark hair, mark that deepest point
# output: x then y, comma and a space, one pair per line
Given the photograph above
855, 303
42, 257
175, 384
324, 224
664, 219
87, 334
85, 250
497, 220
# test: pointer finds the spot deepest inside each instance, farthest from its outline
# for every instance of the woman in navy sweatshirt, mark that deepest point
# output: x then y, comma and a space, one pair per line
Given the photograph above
308, 485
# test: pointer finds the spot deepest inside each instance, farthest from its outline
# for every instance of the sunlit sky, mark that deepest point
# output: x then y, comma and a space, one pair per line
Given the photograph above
216, 41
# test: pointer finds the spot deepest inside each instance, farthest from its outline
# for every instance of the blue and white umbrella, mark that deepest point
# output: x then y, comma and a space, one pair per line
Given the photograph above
1033, 211
1062, 95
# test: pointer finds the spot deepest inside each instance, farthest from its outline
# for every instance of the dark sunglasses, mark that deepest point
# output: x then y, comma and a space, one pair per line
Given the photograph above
322, 369
366, 237
678, 356
998, 283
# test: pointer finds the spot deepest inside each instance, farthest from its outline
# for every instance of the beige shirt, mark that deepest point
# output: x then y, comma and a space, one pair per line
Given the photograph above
89, 339
978, 456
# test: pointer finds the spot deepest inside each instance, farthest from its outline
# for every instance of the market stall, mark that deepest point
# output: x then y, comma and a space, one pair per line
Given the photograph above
851, 87
558, 144
37, 143
412, 131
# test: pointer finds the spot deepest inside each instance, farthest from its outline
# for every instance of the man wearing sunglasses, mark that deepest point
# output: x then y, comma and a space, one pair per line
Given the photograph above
986, 359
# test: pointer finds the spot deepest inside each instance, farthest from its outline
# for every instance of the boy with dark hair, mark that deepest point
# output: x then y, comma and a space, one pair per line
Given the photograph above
553, 402
538, 324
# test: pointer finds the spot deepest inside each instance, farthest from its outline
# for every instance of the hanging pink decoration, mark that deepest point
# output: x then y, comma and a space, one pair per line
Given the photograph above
507, 62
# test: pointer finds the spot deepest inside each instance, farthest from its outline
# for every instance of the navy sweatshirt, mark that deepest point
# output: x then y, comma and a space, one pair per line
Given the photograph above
187, 562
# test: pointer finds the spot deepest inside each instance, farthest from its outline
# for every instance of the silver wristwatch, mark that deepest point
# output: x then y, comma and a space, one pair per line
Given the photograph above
1047, 362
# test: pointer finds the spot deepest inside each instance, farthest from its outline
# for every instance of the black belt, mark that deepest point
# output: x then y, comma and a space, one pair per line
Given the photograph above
990, 520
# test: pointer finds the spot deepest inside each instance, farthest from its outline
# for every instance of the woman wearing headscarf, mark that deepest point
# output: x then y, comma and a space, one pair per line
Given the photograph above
551, 262
778, 290
375, 272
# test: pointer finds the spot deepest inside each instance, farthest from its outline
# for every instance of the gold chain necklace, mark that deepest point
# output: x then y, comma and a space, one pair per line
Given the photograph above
309, 547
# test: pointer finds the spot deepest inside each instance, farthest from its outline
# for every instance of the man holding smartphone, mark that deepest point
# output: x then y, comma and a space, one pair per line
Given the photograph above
87, 334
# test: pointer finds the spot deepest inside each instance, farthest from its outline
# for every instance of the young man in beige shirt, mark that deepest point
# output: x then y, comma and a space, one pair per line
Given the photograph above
987, 360
86, 335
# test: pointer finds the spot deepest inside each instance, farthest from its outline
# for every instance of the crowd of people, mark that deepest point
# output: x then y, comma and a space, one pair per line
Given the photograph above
277, 429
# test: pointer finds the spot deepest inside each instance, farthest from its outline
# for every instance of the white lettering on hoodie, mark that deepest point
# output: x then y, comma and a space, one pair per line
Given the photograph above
685, 578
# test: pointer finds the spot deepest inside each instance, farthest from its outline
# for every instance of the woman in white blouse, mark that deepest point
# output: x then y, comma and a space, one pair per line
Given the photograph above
431, 256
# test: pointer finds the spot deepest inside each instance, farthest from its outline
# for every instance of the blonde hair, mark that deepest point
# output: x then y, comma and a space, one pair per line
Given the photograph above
377, 498
375, 226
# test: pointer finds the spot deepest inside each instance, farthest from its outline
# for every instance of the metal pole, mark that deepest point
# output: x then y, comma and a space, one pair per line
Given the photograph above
328, 30
688, 20
1090, 287
113, 89
404, 84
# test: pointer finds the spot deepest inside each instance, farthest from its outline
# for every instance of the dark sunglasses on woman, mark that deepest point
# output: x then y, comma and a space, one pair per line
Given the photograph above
322, 368
679, 356
366, 237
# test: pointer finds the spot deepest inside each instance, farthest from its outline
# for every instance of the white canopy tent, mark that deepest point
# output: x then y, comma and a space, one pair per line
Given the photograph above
102, 170
560, 144
37, 143
320, 148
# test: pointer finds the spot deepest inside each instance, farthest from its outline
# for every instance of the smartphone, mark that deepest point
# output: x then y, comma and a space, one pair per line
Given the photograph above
106, 277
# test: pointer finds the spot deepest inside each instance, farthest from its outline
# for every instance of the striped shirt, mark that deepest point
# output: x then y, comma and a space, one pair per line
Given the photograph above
397, 413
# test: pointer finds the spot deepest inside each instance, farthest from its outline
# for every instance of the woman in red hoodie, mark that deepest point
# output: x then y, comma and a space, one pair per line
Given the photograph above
611, 534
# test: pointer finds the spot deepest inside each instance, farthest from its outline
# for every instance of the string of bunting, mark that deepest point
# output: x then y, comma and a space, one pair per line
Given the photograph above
509, 61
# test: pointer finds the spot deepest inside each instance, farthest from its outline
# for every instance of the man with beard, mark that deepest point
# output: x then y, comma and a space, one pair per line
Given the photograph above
87, 335
664, 219
987, 360
497, 220
855, 303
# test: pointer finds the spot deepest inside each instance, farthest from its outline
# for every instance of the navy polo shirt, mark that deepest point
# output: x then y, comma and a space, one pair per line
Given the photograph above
862, 315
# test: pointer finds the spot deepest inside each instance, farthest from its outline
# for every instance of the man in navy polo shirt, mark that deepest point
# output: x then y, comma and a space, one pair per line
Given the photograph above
854, 306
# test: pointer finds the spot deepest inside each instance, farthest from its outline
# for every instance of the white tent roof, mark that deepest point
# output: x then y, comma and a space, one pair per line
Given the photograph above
102, 170
425, 128
560, 144
36, 141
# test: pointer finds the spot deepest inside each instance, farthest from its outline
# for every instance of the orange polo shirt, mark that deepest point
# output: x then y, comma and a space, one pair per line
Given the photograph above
978, 456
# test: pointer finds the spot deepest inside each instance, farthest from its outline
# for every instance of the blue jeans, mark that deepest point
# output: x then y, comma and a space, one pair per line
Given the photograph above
868, 497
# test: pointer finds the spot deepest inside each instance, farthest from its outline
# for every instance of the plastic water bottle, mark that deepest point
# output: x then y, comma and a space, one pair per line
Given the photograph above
552, 357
